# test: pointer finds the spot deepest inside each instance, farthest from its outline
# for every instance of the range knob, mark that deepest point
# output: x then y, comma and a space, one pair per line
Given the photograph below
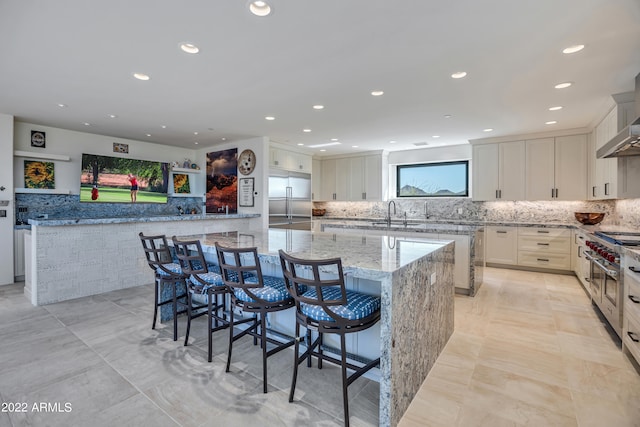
611, 257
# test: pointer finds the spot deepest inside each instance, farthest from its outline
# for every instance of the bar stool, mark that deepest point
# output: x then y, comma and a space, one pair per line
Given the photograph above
202, 281
254, 293
166, 272
327, 307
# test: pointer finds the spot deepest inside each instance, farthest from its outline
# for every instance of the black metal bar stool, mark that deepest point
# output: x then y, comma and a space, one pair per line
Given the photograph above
254, 293
327, 307
166, 272
202, 281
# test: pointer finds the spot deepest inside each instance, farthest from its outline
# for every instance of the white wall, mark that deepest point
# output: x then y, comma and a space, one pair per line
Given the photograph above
6, 181
73, 144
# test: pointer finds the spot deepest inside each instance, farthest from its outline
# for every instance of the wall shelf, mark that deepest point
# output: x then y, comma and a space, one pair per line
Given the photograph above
181, 195
48, 156
185, 170
42, 191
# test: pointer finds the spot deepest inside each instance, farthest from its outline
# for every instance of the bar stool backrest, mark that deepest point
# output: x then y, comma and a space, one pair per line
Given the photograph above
190, 256
240, 269
314, 274
156, 251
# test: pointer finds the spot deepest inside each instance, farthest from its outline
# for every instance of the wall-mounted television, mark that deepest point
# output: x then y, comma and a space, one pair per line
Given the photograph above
107, 179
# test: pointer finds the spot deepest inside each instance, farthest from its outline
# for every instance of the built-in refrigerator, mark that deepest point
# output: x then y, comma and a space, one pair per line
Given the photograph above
289, 200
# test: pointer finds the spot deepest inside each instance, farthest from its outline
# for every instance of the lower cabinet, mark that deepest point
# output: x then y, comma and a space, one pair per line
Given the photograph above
538, 247
18, 254
631, 314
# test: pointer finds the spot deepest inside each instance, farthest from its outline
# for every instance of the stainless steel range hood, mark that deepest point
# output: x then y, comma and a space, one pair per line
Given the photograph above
627, 142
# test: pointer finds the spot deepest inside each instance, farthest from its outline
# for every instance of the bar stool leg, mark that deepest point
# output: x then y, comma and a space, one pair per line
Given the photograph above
155, 303
309, 348
345, 396
263, 342
320, 335
296, 361
230, 340
209, 318
186, 338
175, 312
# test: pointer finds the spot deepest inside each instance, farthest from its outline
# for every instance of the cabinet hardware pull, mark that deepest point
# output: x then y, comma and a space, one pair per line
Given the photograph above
543, 231
556, 193
631, 334
587, 279
634, 299
606, 188
504, 232
497, 197
500, 192
364, 196
543, 244
543, 259
635, 270
593, 191
552, 193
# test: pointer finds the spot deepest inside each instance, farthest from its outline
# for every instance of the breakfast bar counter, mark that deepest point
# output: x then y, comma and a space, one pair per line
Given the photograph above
412, 275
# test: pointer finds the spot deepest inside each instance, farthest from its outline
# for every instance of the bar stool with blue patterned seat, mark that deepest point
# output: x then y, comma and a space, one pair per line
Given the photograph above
167, 272
204, 280
327, 307
254, 293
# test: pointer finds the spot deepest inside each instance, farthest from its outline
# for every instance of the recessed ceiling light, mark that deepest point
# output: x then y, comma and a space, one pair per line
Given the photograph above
141, 76
563, 85
306, 130
195, 133
300, 144
87, 124
195, 142
354, 146
555, 108
62, 105
224, 139
447, 116
334, 139
326, 144
163, 126
189, 48
260, 8
318, 107
323, 150
377, 93
148, 134
551, 122
573, 49
435, 136
269, 118
392, 142
459, 75
487, 130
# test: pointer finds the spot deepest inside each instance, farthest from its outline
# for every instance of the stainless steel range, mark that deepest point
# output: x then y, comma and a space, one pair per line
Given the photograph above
606, 282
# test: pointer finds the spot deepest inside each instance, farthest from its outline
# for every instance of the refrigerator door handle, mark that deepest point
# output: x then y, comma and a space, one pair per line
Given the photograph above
288, 204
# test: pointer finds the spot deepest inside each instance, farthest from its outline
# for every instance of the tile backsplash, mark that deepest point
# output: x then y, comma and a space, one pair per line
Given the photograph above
618, 212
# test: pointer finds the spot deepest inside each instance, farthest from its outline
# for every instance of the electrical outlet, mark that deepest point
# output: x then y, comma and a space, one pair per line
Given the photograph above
433, 279
459, 211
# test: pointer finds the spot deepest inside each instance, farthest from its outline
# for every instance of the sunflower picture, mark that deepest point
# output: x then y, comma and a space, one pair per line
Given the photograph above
181, 183
39, 174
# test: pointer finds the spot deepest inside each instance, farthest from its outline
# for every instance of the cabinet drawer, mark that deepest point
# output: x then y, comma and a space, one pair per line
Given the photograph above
544, 244
548, 232
631, 332
632, 294
551, 261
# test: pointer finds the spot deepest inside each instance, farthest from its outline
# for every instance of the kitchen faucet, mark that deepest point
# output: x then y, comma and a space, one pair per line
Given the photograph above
389, 212
426, 210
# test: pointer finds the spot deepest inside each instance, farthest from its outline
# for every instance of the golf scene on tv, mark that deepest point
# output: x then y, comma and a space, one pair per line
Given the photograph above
106, 179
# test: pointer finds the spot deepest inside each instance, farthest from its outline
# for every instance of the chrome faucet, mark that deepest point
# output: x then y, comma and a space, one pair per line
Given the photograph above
426, 210
404, 221
389, 212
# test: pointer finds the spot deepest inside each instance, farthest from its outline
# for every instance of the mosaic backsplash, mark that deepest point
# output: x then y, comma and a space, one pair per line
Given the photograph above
69, 206
618, 212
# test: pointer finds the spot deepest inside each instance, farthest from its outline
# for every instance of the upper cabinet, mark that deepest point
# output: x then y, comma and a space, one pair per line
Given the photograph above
353, 178
289, 160
499, 171
604, 172
556, 168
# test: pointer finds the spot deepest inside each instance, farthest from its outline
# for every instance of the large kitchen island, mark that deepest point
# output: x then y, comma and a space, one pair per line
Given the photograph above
412, 275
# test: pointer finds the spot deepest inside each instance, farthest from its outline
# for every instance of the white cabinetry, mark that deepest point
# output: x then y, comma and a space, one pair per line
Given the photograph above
18, 254
631, 314
556, 168
499, 171
352, 178
289, 160
316, 179
502, 245
579, 263
544, 248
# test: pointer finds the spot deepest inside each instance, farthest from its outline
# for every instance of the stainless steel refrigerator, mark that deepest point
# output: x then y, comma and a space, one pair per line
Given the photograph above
289, 200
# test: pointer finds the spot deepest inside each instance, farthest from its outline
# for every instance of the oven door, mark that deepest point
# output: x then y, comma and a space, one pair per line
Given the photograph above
596, 279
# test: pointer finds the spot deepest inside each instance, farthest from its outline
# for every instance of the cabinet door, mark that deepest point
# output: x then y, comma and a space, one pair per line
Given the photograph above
502, 245
328, 185
511, 171
540, 155
303, 163
342, 179
274, 158
356, 178
485, 172
316, 180
373, 177
571, 167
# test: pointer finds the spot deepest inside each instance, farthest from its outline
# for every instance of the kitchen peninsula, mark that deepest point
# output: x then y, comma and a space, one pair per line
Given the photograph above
76, 257
412, 275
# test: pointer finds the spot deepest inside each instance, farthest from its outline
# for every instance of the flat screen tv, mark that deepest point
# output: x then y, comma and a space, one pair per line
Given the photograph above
106, 179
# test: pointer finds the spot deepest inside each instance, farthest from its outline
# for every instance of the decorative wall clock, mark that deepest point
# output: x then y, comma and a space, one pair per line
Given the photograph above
246, 162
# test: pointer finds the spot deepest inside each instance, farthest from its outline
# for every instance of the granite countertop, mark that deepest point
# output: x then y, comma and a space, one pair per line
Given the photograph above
433, 225
369, 257
52, 222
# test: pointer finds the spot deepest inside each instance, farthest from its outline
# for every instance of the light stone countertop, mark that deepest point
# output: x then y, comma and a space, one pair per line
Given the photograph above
52, 222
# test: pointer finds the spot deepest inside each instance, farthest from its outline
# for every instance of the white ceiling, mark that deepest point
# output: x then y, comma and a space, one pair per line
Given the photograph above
331, 52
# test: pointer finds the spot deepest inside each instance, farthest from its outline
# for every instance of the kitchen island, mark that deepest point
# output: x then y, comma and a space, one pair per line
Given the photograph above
67, 258
412, 275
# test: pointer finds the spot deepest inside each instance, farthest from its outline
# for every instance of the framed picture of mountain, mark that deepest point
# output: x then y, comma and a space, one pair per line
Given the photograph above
222, 181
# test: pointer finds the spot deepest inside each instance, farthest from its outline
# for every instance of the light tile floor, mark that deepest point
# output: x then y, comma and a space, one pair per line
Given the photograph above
527, 350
